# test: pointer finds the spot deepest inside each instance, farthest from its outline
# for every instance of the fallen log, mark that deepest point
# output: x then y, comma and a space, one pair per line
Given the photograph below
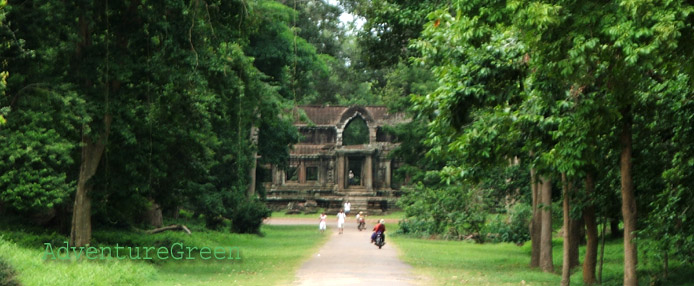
171, 227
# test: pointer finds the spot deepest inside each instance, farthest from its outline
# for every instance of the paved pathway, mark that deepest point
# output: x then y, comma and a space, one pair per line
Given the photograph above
350, 258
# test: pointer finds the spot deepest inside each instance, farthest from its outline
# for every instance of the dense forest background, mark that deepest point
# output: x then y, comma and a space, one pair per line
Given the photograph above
113, 111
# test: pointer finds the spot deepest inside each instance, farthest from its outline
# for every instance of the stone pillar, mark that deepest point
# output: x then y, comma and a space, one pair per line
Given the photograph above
340, 172
275, 175
388, 173
331, 172
372, 135
251, 172
368, 172
338, 140
301, 170
322, 173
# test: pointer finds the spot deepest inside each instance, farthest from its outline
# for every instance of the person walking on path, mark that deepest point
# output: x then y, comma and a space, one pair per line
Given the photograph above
341, 220
348, 206
321, 225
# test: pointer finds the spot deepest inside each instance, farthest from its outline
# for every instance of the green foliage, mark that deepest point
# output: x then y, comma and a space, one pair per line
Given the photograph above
182, 86
389, 27
33, 239
8, 43
506, 186
7, 274
290, 61
549, 86
356, 132
404, 81
248, 215
669, 210
275, 137
453, 211
40, 140
509, 227
318, 22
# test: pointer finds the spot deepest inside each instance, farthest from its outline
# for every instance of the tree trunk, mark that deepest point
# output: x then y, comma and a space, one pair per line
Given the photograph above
81, 229
575, 232
535, 223
546, 263
566, 258
590, 259
153, 214
602, 250
575, 242
176, 212
628, 201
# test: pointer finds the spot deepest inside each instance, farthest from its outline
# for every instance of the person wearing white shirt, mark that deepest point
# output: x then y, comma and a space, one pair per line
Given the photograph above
321, 225
341, 220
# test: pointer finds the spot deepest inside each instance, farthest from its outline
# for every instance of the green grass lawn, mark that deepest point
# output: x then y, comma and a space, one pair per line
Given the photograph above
270, 259
32, 269
458, 262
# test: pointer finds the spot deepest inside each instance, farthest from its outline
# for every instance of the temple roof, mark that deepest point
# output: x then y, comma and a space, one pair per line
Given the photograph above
336, 115
303, 149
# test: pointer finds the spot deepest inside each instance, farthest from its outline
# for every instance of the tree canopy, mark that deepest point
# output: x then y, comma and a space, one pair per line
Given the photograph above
111, 109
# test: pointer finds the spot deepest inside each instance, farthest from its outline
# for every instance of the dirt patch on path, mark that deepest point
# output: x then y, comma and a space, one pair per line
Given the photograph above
350, 258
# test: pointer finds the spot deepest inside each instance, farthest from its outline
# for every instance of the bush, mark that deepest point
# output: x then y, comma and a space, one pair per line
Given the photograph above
452, 212
248, 215
109, 238
415, 226
7, 274
512, 227
33, 240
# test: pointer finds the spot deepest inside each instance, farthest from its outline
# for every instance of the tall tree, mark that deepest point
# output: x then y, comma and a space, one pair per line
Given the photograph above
164, 95
389, 27
569, 77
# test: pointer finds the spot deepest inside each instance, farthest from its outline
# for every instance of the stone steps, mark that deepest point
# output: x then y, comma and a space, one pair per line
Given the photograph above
359, 203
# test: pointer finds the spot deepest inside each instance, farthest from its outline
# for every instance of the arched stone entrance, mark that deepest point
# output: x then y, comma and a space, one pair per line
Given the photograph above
319, 167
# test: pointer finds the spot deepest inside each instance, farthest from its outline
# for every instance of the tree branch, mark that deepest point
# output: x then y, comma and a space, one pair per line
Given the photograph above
171, 227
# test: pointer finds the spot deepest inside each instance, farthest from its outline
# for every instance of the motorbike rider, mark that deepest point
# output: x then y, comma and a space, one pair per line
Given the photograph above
380, 227
361, 218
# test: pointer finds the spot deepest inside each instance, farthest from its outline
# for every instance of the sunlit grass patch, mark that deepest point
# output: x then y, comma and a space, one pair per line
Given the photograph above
444, 262
33, 269
269, 260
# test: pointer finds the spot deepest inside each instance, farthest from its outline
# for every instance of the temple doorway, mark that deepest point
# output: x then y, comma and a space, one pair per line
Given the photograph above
355, 172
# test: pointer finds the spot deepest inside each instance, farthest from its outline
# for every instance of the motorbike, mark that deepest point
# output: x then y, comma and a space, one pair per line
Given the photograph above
379, 240
362, 224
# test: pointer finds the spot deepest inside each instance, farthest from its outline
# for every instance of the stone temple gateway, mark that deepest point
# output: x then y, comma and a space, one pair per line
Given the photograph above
325, 172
